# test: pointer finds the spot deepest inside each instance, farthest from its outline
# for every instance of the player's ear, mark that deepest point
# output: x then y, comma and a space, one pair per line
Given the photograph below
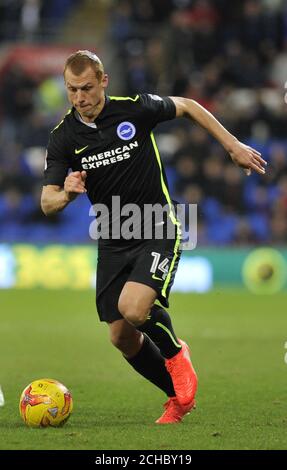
105, 80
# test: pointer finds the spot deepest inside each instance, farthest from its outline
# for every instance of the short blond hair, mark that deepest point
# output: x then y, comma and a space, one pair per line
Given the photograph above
80, 60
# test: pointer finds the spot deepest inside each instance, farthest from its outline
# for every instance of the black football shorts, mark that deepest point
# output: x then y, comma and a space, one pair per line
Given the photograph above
150, 262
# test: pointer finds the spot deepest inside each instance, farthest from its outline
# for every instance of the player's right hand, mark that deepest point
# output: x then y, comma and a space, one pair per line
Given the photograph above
75, 184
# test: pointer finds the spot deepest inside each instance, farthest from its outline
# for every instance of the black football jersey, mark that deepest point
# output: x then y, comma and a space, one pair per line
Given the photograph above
119, 155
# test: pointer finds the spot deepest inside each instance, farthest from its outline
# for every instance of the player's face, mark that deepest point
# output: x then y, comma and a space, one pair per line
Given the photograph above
86, 93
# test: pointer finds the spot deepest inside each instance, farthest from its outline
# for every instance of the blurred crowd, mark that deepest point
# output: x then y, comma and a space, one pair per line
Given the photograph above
229, 56
32, 19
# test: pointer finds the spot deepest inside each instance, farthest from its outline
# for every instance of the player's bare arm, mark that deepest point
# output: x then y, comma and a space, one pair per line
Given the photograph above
241, 154
54, 198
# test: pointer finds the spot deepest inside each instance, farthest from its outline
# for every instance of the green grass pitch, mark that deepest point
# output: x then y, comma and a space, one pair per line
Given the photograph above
237, 341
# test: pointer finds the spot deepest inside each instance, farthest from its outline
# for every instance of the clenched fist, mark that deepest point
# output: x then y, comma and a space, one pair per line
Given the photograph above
75, 184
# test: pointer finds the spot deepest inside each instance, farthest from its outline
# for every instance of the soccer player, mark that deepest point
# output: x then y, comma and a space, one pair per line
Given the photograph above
108, 143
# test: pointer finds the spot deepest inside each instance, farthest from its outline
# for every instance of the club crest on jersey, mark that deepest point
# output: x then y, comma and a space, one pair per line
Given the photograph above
126, 130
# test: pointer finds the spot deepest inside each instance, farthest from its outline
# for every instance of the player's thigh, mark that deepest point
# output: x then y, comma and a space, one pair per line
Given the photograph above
136, 300
156, 267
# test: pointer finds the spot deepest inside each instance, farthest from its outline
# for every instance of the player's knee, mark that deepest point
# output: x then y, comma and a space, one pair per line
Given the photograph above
133, 311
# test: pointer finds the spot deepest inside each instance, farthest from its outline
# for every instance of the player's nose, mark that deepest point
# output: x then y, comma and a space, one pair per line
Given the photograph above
80, 98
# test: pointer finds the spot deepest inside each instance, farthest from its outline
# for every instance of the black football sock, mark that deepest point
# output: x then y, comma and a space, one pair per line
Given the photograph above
150, 364
159, 328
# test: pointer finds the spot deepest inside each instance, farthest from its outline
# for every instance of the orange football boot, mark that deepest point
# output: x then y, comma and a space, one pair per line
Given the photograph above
183, 375
174, 412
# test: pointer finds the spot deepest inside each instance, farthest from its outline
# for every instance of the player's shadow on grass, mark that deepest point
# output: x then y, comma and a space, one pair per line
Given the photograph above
6, 425
111, 422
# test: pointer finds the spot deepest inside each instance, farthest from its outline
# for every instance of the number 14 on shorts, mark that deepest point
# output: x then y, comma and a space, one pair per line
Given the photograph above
158, 265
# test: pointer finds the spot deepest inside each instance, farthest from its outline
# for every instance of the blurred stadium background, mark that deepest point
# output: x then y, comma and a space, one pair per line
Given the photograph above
229, 56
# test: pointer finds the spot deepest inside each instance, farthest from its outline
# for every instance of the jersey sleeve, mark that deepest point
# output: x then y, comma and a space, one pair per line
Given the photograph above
156, 109
57, 162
